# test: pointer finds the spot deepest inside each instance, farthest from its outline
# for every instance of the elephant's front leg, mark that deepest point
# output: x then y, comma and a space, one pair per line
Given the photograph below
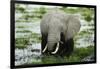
43, 43
61, 50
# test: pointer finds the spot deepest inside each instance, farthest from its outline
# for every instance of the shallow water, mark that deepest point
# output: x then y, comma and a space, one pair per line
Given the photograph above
28, 55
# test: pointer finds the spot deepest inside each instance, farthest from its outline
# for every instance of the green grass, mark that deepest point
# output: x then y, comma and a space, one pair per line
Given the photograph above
52, 60
21, 42
36, 37
80, 53
20, 46
86, 32
24, 31
77, 56
21, 26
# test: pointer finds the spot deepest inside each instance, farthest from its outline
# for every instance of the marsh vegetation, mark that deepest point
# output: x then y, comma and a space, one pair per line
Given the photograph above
28, 37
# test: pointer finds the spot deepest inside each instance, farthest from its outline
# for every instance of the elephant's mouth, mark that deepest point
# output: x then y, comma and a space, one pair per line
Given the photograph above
56, 48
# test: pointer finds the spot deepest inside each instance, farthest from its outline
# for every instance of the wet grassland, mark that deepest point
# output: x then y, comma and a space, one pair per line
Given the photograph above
28, 37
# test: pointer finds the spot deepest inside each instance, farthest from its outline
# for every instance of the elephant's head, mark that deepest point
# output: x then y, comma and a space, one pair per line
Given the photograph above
69, 28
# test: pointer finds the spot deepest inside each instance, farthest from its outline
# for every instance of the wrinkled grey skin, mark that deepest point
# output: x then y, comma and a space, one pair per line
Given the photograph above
55, 22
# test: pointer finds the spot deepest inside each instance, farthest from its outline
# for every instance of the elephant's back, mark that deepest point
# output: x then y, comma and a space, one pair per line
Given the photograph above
55, 14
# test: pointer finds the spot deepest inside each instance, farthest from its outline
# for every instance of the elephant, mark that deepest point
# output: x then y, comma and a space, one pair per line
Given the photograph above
58, 30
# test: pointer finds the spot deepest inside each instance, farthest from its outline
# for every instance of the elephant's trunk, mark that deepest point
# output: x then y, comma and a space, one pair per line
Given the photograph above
52, 40
57, 47
56, 50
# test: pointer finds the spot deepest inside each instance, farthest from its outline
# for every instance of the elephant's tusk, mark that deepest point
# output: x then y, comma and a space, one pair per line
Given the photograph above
57, 48
45, 48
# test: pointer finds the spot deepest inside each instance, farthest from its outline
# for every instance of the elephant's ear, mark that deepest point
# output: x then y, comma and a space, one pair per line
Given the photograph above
73, 26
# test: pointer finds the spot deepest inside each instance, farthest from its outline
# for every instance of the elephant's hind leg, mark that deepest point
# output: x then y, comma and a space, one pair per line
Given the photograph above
69, 46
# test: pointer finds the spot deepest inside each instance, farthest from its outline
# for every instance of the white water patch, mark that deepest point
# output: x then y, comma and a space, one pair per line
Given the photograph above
32, 27
85, 26
84, 43
28, 55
